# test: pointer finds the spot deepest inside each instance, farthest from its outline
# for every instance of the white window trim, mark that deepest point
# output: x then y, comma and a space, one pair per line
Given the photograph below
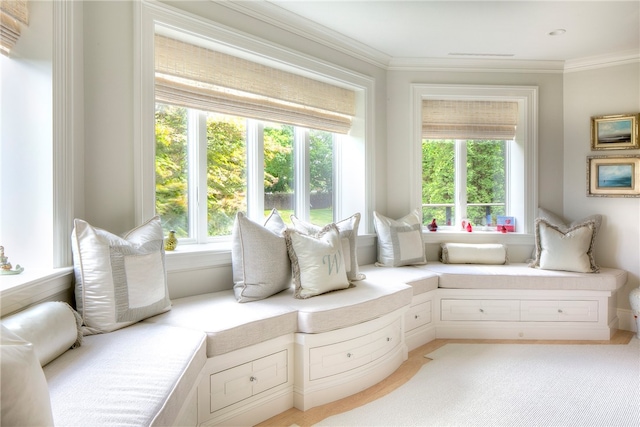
527, 131
148, 14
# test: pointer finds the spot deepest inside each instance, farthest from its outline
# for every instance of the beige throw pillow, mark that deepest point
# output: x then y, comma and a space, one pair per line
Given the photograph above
400, 240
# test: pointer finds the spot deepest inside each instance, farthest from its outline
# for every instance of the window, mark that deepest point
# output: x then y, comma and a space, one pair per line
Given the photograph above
233, 135
217, 153
476, 150
265, 127
463, 180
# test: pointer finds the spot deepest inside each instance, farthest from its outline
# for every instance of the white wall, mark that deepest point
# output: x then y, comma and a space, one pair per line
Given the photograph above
26, 135
603, 91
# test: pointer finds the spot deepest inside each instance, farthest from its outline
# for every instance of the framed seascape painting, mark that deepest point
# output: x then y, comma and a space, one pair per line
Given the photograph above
617, 132
613, 176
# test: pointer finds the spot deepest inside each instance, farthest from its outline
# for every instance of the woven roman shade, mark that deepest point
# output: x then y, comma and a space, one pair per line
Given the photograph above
479, 120
197, 77
13, 13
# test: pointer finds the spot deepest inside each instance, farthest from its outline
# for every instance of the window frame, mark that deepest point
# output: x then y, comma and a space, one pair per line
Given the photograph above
197, 180
358, 197
522, 193
461, 202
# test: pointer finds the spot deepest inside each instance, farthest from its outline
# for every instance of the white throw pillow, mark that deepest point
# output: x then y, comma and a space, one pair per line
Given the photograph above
348, 229
568, 250
119, 280
317, 262
399, 241
25, 395
52, 327
470, 253
561, 223
261, 266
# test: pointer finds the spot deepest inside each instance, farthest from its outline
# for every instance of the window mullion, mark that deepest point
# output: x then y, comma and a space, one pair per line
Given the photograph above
302, 196
255, 169
197, 149
460, 180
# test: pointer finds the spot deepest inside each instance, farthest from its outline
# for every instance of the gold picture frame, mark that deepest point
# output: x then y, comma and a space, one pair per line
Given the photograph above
613, 176
615, 132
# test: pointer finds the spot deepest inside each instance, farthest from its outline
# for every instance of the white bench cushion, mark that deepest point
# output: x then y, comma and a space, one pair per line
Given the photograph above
419, 279
230, 325
347, 307
521, 276
136, 376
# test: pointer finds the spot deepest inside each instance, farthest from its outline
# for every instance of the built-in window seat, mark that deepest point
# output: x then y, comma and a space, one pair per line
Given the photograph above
211, 360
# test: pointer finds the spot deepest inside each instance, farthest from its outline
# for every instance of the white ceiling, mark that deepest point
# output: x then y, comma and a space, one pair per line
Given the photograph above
507, 30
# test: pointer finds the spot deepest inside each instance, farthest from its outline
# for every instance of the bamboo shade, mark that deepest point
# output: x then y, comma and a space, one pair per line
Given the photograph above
479, 120
196, 77
12, 14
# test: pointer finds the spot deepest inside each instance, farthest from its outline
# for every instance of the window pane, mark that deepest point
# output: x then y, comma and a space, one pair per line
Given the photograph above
278, 169
485, 181
171, 168
226, 172
438, 181
321, 177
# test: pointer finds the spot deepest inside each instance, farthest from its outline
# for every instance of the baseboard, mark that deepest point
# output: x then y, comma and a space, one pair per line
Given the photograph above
627, 321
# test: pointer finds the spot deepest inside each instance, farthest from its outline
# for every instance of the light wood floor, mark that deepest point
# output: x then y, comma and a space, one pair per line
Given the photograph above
407, 370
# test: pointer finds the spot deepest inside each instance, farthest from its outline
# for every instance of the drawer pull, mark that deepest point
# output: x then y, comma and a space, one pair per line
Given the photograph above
349, 354
416, 316
481, 310
253, 379
559, 310
388, 339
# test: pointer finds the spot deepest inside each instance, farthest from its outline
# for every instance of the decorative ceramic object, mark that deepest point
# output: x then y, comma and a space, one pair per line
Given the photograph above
171, 241
5, 265
634, 300
433, 226
469, 227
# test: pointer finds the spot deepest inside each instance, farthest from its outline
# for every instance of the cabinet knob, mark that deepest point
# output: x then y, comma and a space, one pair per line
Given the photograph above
388, 339
559, 310
349, 354
481, 310
416, 316
253, 379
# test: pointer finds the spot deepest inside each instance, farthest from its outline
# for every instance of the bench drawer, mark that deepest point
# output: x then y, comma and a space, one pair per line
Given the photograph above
243, 381
418, 315
559, 311
340, 357
480, 310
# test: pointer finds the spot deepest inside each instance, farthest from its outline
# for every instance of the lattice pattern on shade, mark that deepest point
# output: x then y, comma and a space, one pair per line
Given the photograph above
197, 77
13, 13
479, 120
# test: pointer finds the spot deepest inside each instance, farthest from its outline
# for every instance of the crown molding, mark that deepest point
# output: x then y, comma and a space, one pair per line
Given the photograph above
602, 61
475, 65
289, 21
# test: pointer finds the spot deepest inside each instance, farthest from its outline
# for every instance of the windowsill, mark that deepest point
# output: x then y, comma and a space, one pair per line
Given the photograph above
21, 290
476, 236
195, 256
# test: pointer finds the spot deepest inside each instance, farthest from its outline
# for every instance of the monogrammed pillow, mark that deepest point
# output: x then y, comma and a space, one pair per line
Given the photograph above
348, 229
317, 262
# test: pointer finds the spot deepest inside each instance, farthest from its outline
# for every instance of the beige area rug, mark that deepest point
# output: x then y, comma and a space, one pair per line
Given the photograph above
513, 385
